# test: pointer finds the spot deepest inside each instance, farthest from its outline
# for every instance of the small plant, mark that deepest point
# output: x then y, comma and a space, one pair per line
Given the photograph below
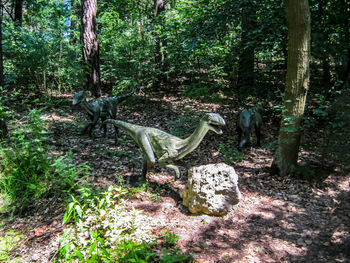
134, 252
170, 238
103, 230
109, 224
155, 197
230, 153
120, 180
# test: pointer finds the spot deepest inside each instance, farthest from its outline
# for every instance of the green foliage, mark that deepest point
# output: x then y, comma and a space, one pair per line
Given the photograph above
39, 53
196, 92
170, 238
133, 252
230, 152
3, 108
174, 256
125, 85
155, 197
28, 172
320, 113
116, 234
201, 45
8, 241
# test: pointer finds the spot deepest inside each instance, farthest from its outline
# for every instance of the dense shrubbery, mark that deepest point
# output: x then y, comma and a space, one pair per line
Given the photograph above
28, 171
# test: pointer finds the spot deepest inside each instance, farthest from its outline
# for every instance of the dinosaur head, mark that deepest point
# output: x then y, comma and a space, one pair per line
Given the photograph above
78, 97
214, 122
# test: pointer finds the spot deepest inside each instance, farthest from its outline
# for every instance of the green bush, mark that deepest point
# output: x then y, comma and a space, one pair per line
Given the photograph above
27, 171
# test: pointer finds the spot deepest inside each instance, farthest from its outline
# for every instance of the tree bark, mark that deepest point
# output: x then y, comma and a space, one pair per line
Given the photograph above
159, 56
2, 78
245, 80
297, 84
18, 13
90, 47
346, 73
3, 126
3, 129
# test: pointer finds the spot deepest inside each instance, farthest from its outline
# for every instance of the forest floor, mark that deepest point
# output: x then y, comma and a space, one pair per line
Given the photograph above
278, 219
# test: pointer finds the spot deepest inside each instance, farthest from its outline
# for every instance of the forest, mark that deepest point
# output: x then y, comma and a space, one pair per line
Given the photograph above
108, 110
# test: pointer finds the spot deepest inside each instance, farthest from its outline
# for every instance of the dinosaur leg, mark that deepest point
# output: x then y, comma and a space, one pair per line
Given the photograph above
104, 126
239, 132
164, 162
86, 128
183, 164
258, 135
113, 115
149, 158
93, 123
175, 169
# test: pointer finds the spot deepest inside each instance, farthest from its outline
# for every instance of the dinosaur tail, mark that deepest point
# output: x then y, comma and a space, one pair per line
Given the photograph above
125, 126
125, 96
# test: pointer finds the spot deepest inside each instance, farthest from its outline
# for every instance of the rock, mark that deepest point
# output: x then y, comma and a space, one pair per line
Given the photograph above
211, 189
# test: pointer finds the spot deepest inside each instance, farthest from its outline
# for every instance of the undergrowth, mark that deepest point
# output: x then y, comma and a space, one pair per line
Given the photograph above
102, 229
8, 241
28, 172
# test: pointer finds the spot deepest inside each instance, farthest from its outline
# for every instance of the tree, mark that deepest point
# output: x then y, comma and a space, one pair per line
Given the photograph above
91, 55
18, 13
159, 7
245, 81
1, 53
297, 84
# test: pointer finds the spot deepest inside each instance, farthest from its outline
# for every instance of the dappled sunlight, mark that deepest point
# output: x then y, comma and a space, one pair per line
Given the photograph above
279, 219
57, 118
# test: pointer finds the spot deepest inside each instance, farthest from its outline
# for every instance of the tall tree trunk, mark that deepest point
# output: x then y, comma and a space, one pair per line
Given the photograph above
159, 7
297, 84
245, 80
90, 46
18, 12
346, 73
74, 23
324, 36
3, 126
2, 80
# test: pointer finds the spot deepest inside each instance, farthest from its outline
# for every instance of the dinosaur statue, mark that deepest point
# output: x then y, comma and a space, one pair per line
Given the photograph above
168, 148
100, 108
248, 118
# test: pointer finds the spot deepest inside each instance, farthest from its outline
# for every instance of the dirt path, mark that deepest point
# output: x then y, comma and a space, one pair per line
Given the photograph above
278, 220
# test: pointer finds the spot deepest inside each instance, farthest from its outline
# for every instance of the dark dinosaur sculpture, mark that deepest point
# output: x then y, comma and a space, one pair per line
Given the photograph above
247, 119
168, 148
100, 108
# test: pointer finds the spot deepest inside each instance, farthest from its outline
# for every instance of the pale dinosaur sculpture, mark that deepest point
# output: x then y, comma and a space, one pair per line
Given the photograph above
167, 148
100, 108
